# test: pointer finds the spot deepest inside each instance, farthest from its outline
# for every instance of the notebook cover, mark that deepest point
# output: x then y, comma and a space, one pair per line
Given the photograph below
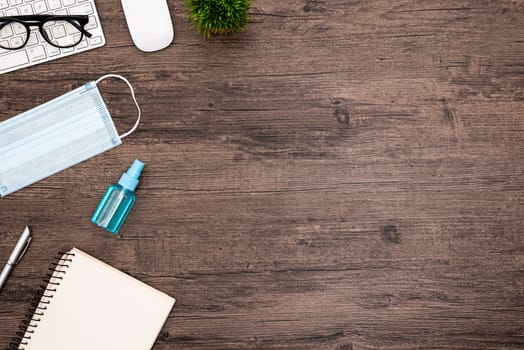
96, 306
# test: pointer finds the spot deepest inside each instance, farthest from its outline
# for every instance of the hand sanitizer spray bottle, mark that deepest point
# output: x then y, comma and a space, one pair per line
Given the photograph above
118, 200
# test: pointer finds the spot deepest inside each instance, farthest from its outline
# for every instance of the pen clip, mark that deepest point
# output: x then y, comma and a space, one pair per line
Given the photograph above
25, 249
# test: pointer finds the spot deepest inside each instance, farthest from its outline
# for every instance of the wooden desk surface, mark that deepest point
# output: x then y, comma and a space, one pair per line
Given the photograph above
343, 175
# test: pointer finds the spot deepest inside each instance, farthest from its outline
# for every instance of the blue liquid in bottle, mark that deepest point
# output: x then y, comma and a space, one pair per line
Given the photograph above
118, 201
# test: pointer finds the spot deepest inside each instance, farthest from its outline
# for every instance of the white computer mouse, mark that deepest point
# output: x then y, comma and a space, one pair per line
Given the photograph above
149, 23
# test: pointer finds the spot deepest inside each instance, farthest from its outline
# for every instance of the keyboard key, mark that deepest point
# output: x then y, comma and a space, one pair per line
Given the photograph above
67, 50
37, 35
17, 58
71, 30
84, 9
82, 44
33, 40
19, 28
26, 9
68, 2
54, 4
11, 12
52, 50
6, 32
3, 4
59, 32
65, 41
36, 53
40, 7
3, 45
15, 2
91, 24
16, 42
61, 12
95, 40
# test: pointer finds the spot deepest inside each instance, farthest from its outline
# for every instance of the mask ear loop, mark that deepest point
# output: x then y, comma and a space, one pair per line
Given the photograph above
134, 99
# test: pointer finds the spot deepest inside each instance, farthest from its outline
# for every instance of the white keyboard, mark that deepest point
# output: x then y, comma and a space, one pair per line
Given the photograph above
37, 49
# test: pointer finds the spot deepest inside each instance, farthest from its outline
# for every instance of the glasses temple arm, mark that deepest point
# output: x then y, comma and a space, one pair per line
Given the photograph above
81, 29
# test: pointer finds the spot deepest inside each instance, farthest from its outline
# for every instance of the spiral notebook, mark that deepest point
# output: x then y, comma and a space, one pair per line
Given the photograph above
88, 305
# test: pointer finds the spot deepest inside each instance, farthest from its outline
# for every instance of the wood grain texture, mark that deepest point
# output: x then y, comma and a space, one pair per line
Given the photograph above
343, 175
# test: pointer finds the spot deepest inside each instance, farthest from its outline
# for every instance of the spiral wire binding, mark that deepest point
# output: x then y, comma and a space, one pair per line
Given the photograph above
41, 300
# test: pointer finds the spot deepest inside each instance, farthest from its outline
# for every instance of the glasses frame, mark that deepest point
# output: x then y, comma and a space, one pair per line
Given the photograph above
77, 21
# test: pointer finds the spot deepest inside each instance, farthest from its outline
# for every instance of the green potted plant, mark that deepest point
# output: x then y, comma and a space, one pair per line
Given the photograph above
218, 16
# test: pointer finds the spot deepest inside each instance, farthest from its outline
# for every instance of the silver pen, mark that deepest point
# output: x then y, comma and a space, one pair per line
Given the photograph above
17, 254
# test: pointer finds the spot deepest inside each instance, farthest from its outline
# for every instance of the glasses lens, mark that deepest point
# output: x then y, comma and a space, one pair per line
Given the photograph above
13, 35
63, 33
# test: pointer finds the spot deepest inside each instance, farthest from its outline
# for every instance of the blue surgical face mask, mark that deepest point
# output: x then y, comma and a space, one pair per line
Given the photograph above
57, 135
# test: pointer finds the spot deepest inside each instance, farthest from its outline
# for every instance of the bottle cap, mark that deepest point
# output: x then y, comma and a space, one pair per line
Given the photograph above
129, 179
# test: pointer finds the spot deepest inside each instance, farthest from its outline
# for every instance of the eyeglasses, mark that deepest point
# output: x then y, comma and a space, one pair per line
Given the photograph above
59, 31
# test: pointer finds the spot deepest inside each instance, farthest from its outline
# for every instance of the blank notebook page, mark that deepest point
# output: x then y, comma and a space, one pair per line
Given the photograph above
98, 307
